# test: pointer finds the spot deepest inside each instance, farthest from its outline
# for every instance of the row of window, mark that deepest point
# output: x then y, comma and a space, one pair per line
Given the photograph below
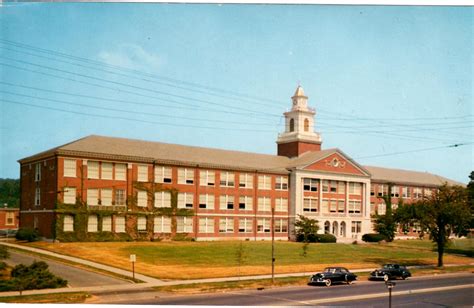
163, 174
162, 224
337, 187
340, 228
397, 191
311, 205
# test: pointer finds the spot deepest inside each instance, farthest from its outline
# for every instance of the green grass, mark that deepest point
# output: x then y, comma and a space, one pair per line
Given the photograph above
457, 246
59, 298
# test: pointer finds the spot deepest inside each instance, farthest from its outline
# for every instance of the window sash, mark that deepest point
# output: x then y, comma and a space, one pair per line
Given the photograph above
142, 173
185, 176
281, 225
141, 223
119, 197
107, 224
120, 172
207, 178
120, 224
245, 225
246, 180
263, 225
245, 203
206, 201
163, 199
106, 196
92, 169
70, 168
185, 200
264, 204
206, 225
68, 223
106, 171
163, 174
226, 225
38, 172
92, 223
184, 225
226, 202
69, 195
310, 184
162, 224
281, 204
227, 179
142, 198
264, 182
281, 183
310, 205
92, 196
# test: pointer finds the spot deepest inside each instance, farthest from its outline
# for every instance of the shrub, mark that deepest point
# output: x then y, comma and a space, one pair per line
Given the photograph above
27, 234
35, 276
325, 238
373, 237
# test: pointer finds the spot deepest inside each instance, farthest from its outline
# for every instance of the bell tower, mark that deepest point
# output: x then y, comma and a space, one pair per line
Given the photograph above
299, 135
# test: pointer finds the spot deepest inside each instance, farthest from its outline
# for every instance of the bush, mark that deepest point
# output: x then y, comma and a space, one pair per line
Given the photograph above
27, 234
373, 237
317, 238
35, 276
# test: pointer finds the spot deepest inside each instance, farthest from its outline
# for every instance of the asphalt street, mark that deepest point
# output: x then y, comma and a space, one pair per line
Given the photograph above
76, 277
451, 290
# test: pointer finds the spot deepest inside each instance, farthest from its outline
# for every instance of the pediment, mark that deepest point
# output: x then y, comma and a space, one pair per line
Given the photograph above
336, 162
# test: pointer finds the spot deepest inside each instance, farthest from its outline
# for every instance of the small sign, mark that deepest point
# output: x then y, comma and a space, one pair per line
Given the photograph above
133, 258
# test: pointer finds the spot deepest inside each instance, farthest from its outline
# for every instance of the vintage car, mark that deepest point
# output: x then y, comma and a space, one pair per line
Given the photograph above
332, 275
390, 271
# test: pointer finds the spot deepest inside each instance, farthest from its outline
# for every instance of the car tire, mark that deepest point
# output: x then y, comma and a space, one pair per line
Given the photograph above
348, 281
386, 277
328, 282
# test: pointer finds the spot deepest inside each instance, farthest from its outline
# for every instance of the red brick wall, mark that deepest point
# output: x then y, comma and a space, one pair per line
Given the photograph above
293, 149
3, 219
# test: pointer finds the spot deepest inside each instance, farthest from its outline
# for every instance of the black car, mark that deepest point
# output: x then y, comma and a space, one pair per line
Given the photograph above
390, 271
332, 275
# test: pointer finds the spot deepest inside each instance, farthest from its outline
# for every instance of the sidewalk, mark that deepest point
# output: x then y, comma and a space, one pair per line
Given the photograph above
149, 282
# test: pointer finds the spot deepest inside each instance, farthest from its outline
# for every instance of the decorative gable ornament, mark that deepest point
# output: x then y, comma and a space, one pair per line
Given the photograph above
336, 163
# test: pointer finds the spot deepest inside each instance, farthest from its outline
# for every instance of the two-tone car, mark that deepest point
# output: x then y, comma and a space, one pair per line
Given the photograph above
389, 272
332, 275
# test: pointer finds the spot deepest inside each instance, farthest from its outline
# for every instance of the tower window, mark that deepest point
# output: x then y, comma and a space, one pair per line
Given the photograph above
306, 125
292, 125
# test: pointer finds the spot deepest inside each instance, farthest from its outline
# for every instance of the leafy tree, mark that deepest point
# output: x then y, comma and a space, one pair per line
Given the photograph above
240, 255
4, 252
306, 229
10, 192
444, 213
470, 191
385, 224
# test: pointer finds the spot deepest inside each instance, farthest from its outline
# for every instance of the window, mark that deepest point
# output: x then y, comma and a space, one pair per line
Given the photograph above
428, 192
245, 180
206, 225
310, 184
333, 186
207, 178
245, 225
406, 192
355, 188
93, 169
162, 174
162, 224
184, 224
381, 209
70, 168
281, 225
141, 223
119, 197
106, 196
206, 201
264, 204
120, 224
142, 198
226, 225
310, 205
38, 172
372, 190
226, 202
306, 125
227, 179
120, 172
92, 196
185, 200
263, 225
325, 206
37, 196
163, 199
107, 223
264, 182
281, 183
332, 206
92, 223
417, 193
69, 195
68, 223
325, 185
356, 226
395, 192
185, 176
340, 206
10, 219
107, 171
142, 173
341, 187
354, 206
281, 204
292, 125
245, 203
382, 190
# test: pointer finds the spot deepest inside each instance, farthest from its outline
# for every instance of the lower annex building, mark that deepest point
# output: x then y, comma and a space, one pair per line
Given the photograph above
104, 188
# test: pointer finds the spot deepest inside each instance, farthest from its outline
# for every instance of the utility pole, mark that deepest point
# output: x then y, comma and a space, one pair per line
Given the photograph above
273, 245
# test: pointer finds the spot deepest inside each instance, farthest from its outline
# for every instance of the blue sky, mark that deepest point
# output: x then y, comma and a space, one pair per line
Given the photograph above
383, 79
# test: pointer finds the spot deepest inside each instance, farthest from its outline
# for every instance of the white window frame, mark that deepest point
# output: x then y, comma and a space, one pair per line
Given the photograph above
405, 192
163, 174
38, 172
247, 201
161, 224
245, 180
206, 225
92, 223
120, 172
354, 206
92, 196
395, 192
356, 227
142, 198
141, 223
355, 188
310, 184
264, 182
120, 197
206, 201
92, 169
281, 183
263, 225
37, 196
70, 168
207, 178
281, 204
185, 200
185, 176
120, 224
106, 171
68, 223
162, 199
226, 225
184, 224
142, 173
281, 225
382, 209
227, 179
69, 195
227, 202
106, 196
107, 224
310, 205
245, 225
264, 204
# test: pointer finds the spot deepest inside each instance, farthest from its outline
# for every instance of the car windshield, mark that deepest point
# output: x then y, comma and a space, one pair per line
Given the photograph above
388, 266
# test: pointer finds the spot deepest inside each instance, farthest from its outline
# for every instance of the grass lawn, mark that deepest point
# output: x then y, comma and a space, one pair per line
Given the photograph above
58, 298
191, 260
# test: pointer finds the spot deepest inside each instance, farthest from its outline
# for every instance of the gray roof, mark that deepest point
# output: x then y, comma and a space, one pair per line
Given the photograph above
123, 149
386, 175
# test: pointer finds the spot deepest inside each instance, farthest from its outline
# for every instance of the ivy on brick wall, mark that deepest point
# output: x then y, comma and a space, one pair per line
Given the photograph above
81, 212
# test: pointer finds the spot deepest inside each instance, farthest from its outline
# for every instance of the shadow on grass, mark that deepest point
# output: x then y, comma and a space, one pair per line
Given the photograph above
397, 261
459, 251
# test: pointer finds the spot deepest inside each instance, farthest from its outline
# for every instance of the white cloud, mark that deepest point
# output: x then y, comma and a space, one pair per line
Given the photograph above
132, 56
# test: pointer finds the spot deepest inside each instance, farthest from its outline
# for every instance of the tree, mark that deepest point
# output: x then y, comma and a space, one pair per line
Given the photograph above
306, 229
240, 255
10, 192
446, 212
470, 191
385, 224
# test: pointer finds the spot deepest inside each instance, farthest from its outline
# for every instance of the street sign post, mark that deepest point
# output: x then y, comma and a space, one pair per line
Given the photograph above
133, 259
390, 285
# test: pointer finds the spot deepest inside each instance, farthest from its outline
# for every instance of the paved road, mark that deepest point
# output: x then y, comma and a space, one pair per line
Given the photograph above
441, 291
76, 277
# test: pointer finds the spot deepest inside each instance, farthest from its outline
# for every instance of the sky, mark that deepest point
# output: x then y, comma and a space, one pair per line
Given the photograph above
392, 85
